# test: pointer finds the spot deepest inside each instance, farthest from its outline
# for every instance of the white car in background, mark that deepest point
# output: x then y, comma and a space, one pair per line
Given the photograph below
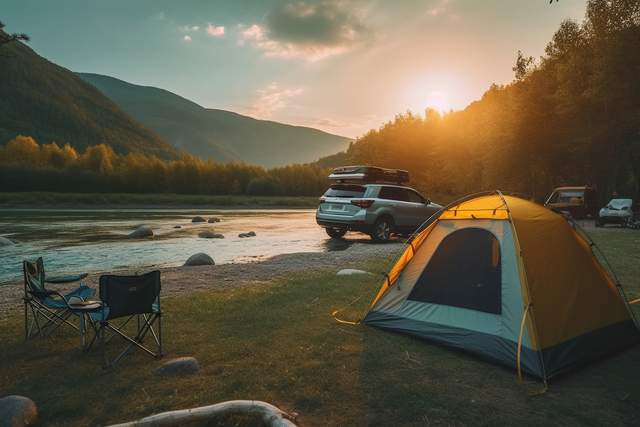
617, 211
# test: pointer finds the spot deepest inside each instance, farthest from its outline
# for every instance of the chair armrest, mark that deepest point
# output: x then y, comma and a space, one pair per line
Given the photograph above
65, 279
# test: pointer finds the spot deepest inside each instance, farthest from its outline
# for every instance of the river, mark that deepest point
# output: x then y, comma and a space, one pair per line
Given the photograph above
96, 240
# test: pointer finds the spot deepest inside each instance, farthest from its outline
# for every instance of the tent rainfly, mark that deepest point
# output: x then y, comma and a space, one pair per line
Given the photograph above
510, 281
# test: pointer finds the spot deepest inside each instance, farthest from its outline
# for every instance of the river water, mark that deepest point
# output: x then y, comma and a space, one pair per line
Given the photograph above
96, 240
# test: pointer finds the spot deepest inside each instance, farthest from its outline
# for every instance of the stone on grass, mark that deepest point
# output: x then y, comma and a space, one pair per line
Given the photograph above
249, 234
140, 232
200, 259
17, 411
198, 219
179, 366
213, 219
351, 272
6, 242
210, 235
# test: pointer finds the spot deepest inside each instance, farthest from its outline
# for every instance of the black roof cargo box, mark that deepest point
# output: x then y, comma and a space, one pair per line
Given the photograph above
369, 175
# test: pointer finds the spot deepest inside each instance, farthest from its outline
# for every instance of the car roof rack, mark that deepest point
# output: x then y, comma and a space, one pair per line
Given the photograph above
369, 175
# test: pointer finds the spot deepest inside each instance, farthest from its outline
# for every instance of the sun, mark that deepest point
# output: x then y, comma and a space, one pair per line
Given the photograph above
429, 93
437, 99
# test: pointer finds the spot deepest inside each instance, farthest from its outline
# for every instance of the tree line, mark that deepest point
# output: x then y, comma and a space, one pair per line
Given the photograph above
26, 165
569, 117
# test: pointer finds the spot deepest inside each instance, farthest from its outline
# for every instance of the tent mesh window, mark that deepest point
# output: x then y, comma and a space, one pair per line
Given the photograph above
465, 271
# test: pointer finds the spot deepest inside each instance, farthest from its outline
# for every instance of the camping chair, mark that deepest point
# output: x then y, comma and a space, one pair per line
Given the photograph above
49, 309
126, 297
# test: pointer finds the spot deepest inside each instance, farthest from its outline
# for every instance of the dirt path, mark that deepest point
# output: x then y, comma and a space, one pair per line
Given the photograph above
177, 280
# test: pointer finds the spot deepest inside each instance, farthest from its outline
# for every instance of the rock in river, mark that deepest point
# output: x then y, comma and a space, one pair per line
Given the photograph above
213, 219
17, 411
140, 232
200, 259
210, 235
198, 219
249, 234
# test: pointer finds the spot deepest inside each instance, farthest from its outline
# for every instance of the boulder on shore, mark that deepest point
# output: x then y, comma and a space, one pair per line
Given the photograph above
140, 232
210, 235
6, 242
198, 219
350, 272
200, 259
249, 234
213, 219
17, 411
179, 366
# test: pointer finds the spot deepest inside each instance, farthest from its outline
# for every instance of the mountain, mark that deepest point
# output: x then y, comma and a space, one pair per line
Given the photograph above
50, 103
217, 134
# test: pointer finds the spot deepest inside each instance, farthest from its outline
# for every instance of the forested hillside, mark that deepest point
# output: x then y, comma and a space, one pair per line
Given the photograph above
50, 103
570, 117
217, 134
26, 165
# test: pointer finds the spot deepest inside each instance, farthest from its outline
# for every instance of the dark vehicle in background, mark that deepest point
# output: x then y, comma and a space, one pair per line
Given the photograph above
578, 201
372, 200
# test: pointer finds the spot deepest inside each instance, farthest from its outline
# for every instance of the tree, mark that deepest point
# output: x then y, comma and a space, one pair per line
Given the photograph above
11, 37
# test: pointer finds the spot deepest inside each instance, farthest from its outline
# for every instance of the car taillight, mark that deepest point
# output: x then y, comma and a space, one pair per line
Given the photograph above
364, 204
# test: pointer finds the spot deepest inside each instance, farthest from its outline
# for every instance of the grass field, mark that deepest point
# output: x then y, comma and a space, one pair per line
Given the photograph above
106, 200
278, 343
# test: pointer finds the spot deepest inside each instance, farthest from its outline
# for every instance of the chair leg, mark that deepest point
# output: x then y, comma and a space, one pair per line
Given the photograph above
103, 344
26, 321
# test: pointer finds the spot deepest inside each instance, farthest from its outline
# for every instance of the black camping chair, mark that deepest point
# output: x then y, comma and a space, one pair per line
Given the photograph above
45, 310
126, 297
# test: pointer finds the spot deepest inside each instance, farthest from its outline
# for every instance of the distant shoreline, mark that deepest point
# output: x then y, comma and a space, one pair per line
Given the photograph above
51, 200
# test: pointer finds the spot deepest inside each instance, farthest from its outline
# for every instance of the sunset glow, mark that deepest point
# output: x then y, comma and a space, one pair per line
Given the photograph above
344, 67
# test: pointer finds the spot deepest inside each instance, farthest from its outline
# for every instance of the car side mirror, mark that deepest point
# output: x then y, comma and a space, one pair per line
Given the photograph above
427, 201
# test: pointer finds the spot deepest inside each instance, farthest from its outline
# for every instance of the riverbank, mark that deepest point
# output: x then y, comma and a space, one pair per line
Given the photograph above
185, 280
46, 200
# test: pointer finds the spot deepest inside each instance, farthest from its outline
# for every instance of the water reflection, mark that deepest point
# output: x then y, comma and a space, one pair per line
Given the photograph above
96, 241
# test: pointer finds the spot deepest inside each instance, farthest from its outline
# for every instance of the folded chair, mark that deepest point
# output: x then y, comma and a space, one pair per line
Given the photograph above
45, 310
128, 297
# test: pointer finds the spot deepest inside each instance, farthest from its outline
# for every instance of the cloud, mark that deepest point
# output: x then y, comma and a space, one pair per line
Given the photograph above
271, 99
189, 28
187, 38
441, 8
311, 31
215, 31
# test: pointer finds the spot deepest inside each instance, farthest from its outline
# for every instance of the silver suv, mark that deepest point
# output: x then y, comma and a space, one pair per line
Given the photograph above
376, 209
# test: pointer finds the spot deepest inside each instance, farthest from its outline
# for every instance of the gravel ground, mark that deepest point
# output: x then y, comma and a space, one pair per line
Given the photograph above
178, 280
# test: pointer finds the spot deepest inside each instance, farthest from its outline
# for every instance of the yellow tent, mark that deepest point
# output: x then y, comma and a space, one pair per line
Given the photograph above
509, 280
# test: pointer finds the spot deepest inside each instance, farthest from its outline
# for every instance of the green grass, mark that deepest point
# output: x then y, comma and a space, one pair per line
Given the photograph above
278, 343
93, 200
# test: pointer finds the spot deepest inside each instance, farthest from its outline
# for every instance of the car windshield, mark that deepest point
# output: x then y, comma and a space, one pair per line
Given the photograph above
619, 204
345, 190
569, 196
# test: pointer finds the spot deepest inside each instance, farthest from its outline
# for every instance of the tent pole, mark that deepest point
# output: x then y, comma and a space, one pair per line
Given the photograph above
608, 269
529, 303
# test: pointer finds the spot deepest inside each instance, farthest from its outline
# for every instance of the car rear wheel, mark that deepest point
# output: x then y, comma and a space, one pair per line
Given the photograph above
382, 229
336, 232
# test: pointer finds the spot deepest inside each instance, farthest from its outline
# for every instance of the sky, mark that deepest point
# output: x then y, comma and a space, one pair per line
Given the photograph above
341, 66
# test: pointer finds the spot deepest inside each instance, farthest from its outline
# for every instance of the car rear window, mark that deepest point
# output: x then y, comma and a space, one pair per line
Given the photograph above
345, 190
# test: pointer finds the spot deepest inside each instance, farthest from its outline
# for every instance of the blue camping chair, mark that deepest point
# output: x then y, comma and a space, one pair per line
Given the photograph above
126, 298
46, 310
